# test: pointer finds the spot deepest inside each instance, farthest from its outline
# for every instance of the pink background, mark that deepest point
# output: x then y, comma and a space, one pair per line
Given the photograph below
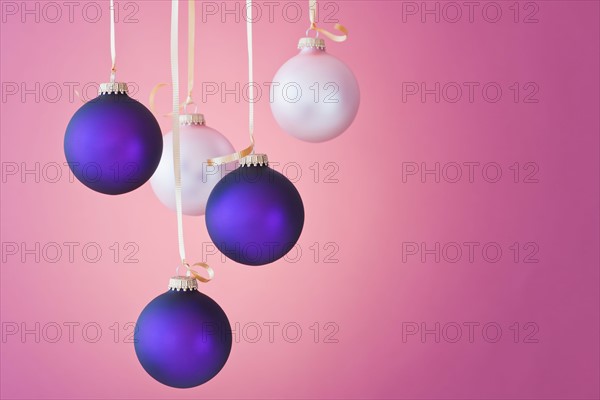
368, 213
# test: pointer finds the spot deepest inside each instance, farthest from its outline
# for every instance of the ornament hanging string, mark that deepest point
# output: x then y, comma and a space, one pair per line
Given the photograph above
191, 57
191, 45
113, 50
312, 15
250, 149
249, 22
176, 147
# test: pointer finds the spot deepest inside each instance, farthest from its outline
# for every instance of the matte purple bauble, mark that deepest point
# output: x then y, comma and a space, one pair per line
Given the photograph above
254, 215
183, 338
113, 144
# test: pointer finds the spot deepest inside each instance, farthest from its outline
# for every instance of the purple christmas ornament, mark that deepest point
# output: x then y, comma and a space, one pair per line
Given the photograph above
254, 215
113, 143
183, 337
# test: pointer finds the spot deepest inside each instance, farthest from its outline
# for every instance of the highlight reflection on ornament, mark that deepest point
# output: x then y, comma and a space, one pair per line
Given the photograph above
113, 143
317, 95
254, 215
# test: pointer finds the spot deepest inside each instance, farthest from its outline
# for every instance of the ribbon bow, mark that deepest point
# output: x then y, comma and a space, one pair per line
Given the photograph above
312, 14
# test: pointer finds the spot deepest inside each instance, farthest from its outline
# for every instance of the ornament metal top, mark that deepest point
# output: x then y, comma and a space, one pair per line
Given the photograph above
255, 160
183, 283
307, 42
191, 119
113, 88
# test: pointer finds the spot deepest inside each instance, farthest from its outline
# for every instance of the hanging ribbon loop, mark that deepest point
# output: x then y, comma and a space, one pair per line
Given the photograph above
192, 272
232, 157
209, 271
329, 35
183, 106
152, 98
312, 15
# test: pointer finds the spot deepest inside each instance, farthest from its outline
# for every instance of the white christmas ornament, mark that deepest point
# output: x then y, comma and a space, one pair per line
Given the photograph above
198, 143
315, 95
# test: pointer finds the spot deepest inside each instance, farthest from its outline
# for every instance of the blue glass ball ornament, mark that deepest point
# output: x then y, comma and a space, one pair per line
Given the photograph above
183, 337
254, 215
113, 143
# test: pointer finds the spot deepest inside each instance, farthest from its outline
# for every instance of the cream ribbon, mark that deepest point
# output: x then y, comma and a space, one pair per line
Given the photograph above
191, 45
191, 57
249, 22
250, 149
312, 15
190, 271
175, 121
176, 143
113, 50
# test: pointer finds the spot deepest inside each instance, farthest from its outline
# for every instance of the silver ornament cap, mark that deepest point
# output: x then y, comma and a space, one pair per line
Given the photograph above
113, 88
183, 283
255, 160
310, 42
191, 119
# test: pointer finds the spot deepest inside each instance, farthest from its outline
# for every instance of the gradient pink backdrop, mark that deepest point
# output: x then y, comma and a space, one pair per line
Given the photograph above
368, 213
